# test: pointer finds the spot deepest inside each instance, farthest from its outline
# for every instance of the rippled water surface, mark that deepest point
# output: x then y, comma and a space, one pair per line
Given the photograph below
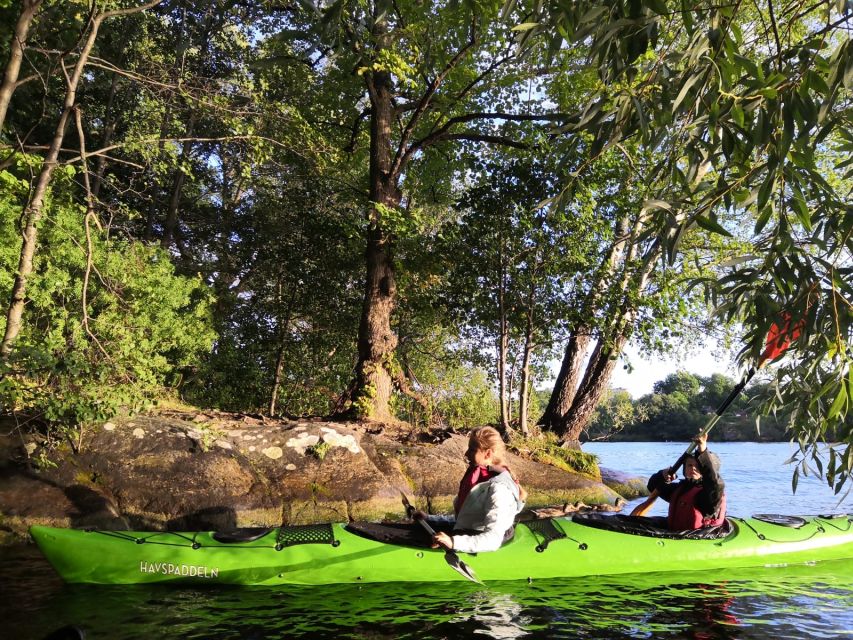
778, 603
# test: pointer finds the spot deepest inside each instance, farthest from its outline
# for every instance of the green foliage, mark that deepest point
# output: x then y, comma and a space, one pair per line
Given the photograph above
690, 156
680, 381
142, 328
615, 412
456, 396
319, 450
748, 109
546, 448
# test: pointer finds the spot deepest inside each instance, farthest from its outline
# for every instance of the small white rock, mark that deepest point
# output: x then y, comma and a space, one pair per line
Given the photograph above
290, 467
138, 433
335, 439
223, 444
274, 453
109, 426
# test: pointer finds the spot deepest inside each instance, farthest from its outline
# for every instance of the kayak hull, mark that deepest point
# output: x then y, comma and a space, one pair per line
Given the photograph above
127, 557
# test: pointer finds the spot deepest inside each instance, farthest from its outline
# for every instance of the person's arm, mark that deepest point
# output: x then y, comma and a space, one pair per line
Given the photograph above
499, 517
713, 486
438, 518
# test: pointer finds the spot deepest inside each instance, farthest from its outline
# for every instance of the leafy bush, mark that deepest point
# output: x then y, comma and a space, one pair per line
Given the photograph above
143, 325
457, 396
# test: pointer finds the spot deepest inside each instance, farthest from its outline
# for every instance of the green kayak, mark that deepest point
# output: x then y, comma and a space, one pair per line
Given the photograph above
338, 553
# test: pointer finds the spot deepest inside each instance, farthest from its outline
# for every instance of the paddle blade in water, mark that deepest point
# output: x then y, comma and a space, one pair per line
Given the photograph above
467, 572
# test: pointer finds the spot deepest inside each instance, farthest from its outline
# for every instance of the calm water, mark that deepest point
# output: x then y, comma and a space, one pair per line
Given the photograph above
793, 602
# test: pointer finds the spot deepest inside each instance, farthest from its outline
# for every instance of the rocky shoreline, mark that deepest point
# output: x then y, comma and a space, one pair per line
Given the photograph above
186, 470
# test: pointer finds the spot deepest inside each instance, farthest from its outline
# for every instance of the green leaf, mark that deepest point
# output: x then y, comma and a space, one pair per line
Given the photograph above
684, 89
525, 26
839, 404
737, 115
815, 82
712, 225
765, 190
658, 6
763, 218
801, 209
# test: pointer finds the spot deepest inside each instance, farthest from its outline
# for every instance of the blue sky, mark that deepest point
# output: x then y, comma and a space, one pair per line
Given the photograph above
645, 373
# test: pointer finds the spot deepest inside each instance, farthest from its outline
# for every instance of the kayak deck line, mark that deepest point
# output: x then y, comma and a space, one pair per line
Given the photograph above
561, 548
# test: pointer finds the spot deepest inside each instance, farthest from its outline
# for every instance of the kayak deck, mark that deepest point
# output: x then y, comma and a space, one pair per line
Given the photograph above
329, 554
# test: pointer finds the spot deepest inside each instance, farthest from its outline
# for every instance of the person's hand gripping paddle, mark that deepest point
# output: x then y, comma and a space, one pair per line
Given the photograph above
450, 555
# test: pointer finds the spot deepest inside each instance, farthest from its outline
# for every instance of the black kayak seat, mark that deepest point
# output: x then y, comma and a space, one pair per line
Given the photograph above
244, 534
653, 527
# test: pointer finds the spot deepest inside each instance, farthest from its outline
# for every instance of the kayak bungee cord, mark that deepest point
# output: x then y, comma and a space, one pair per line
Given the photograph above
818, 530
829, 522
148, 539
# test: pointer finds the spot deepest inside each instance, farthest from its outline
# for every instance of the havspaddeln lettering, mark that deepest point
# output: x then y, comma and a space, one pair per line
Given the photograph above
168, 568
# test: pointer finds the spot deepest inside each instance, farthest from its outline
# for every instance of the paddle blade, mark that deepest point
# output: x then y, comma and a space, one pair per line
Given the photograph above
780, 336
644, 507
460, 567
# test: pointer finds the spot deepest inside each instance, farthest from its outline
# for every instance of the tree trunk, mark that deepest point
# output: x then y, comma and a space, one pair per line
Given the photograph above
524, 384
574, 357
34, 209
503, 348
596, 382
376, 340
180, 178
603, 360
154, 191
106, 139
283, 324
29, 8
566, 384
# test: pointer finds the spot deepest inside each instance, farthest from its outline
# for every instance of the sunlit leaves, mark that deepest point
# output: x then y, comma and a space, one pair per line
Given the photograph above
757, 99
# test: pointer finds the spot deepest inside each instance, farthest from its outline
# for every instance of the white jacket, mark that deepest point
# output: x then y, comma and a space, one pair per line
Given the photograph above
490, 508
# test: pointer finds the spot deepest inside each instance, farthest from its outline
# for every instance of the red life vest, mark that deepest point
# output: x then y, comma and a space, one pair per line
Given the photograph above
473, 476
684, 515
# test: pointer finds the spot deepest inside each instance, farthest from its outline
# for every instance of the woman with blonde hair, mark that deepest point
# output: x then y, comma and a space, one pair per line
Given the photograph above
489, 498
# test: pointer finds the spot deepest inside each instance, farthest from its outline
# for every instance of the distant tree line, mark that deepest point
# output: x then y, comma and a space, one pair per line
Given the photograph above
679, 406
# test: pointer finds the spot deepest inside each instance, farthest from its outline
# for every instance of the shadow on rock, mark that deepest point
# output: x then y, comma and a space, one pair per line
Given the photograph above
95, 510
210, 519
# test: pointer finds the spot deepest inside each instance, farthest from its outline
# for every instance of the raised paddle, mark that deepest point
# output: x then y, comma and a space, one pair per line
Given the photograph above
778, 339
449, 554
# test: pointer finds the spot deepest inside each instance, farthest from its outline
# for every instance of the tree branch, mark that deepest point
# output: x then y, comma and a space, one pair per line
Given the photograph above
426, 99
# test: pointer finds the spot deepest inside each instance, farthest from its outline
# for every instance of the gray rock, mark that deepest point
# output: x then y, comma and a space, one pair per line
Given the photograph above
345, 471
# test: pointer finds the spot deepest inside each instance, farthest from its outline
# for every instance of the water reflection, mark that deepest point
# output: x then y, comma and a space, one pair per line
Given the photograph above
780, 603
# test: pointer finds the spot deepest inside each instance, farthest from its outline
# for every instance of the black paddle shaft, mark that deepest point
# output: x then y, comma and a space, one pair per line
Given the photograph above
719, 412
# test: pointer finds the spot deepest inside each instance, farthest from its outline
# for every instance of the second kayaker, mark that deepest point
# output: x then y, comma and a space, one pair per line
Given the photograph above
489, 498
699, 500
